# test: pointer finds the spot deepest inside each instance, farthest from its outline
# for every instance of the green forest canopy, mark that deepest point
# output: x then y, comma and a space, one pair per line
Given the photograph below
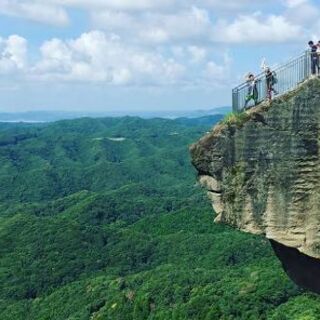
103, 219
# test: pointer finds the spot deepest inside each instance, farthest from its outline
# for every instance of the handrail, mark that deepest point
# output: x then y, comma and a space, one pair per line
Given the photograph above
289, 76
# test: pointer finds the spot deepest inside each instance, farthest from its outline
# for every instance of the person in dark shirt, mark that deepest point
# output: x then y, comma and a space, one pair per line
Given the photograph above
315, 67
271, 80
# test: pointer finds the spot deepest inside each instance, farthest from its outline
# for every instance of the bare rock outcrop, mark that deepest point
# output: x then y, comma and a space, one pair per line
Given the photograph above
262, 170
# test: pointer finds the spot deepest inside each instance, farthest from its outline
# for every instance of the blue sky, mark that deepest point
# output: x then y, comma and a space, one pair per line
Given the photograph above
142, 55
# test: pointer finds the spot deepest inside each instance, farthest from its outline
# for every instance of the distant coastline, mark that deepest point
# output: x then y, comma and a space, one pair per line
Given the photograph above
51, 116
22, 121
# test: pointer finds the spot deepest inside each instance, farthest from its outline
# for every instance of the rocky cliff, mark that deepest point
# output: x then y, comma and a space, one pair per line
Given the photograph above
262, 172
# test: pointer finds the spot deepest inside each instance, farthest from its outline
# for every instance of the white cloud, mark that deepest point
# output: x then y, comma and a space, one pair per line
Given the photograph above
172, 21
191, 24
215, 71
150, 27
302, 12
257, 29
218, 72
105, 58
227, 4
13, 54
295, 3
178, 43
168, 5
198, 54
126, 5
196, 25
114, 20
154, 35
152, 42
97, 57
36, 11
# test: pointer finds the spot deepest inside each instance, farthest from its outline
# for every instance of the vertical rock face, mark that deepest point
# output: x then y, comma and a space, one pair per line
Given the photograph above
262, 170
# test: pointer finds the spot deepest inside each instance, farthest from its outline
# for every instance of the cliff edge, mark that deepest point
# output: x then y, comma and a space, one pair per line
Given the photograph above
262, 172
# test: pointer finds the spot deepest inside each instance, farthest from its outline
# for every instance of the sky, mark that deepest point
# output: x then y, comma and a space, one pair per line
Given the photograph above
142, 55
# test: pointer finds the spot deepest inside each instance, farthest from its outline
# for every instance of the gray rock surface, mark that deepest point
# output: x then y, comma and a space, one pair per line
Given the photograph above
262, 169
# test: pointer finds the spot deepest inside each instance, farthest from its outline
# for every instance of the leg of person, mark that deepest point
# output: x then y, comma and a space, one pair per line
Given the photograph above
255, 96
269, 91
313, 66
269, 94
248, 99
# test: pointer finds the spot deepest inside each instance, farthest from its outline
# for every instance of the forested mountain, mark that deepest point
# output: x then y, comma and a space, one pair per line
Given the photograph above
103, 219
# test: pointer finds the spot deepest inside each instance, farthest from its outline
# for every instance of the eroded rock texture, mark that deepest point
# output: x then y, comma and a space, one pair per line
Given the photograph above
262, 170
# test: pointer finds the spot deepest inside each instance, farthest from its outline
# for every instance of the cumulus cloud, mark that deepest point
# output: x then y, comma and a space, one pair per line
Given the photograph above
302, 12
36, 11
215, 71
118, 4
160, 22
194, 25
256, 29
218, 72
198, 54
190, 24
105, 58
94, 56
227, 4
13, 54
150, 42
165, 5
295, 3
151, 27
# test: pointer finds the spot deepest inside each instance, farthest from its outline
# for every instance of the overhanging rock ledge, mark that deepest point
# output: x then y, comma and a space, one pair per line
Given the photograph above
262, 172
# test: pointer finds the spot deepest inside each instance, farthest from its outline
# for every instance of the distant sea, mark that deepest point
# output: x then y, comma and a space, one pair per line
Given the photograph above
50, 116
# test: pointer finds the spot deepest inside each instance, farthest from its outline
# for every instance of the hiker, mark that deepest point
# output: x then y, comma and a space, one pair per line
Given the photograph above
271, 80
318, 51
315, 68
252, 90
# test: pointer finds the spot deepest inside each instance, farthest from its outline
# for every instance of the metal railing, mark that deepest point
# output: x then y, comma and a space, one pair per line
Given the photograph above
289, 76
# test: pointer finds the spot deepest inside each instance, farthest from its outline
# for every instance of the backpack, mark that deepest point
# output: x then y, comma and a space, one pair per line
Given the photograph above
274, 78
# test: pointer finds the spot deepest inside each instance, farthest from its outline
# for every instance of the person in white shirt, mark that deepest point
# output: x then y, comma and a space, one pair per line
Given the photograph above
252, 90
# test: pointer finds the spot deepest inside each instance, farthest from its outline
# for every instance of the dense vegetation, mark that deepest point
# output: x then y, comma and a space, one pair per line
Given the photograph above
103, 219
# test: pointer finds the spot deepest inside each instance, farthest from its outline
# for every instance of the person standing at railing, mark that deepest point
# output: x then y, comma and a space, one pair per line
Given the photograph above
315, 67
271, 80
318, 52
252, 90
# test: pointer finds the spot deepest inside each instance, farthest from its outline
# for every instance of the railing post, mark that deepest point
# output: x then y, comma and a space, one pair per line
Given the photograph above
235, 100
306, 65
